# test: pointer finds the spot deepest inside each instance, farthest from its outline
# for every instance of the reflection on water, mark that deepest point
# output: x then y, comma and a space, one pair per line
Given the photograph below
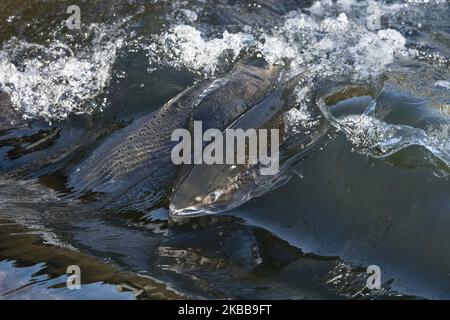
32, 285
367, 197
34, 266
221, 258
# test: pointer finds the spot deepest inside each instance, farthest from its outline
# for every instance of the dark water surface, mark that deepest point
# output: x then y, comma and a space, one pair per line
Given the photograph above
361, 199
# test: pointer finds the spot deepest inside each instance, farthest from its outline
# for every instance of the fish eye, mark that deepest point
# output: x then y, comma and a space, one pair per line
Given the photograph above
212, 196
198, 198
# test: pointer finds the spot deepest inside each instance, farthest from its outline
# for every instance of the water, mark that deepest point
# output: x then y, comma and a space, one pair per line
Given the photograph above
377, 193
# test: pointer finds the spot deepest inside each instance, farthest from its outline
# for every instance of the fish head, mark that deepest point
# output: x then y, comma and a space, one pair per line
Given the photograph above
209, 189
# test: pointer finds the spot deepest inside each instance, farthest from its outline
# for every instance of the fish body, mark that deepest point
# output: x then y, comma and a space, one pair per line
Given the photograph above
215, 188
133, 167
228, 98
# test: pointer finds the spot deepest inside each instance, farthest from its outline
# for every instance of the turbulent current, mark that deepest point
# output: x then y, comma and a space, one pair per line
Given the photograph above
359, 89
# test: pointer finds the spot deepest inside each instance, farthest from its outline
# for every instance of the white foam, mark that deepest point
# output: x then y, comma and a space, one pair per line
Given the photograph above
184, 46
326, 44
52, 81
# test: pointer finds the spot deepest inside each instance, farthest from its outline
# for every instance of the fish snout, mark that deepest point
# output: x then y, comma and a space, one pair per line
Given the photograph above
191, 211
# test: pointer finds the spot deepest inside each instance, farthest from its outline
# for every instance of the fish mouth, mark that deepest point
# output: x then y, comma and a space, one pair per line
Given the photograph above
192, 211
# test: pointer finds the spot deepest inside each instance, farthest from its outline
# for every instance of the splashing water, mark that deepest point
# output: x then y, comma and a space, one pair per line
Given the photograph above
324, 43
52, 81
185, 46
351, 40
380, 139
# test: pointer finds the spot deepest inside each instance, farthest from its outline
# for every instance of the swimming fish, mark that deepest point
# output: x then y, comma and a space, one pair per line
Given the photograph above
214, 188
133, 167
